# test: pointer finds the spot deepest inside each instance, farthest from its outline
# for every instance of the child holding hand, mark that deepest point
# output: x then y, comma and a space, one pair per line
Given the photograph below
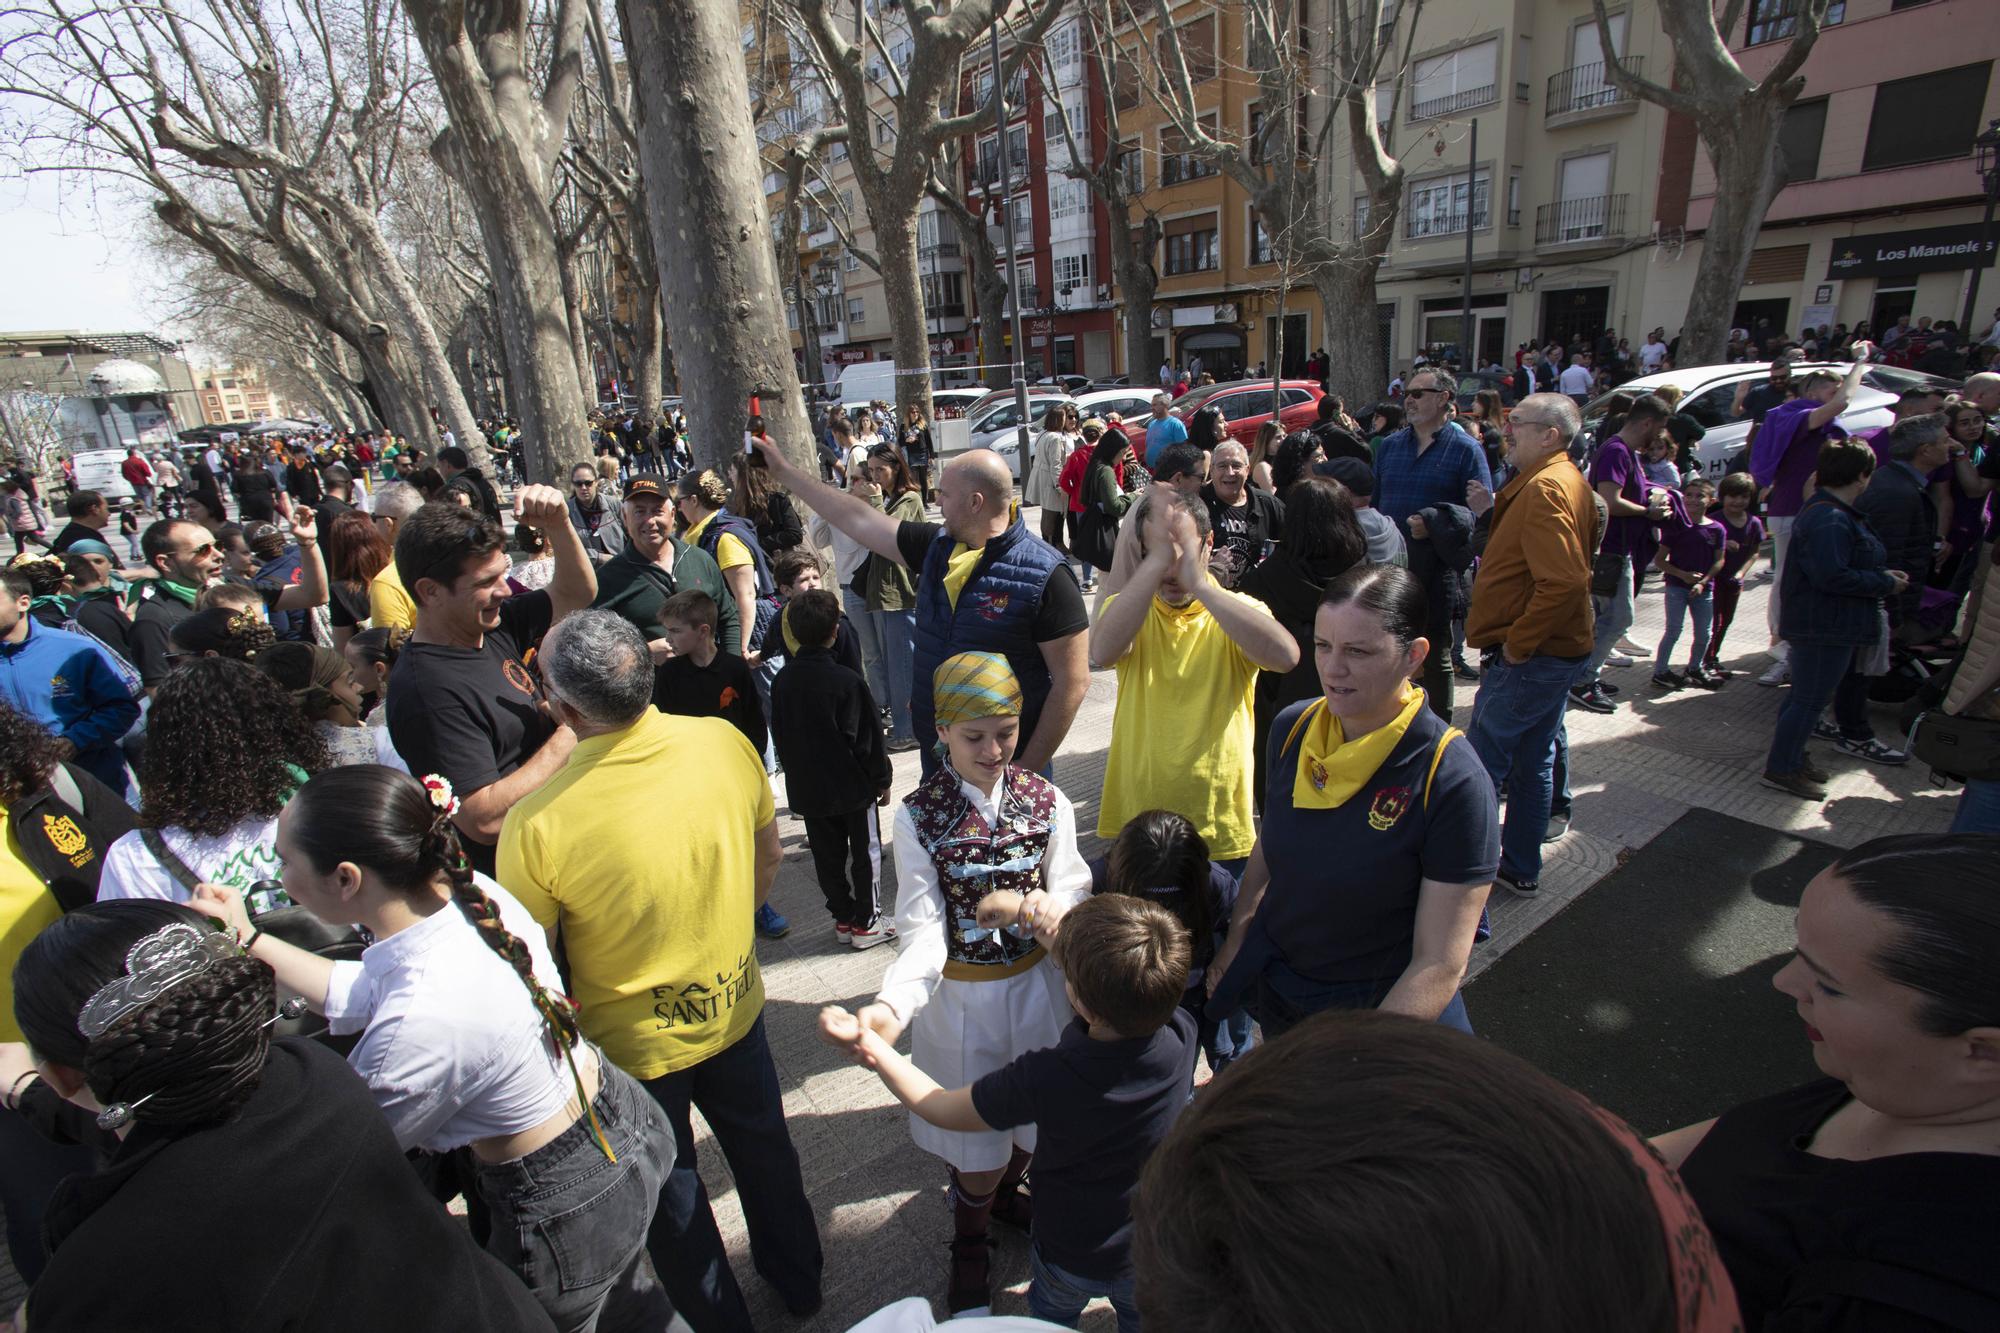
1692, 554
1104, 1096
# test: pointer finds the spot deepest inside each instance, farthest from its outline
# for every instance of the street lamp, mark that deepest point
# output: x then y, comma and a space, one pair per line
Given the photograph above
1986, 161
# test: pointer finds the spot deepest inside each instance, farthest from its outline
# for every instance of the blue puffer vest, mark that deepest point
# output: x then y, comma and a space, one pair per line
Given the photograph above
746, 532
995, 613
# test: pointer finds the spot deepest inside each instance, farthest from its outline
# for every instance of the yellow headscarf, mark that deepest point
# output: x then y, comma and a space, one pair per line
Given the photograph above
974, 685
1332, 769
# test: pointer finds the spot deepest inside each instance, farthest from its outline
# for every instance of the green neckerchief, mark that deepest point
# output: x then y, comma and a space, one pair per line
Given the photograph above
55, 599
180, 590
299, 778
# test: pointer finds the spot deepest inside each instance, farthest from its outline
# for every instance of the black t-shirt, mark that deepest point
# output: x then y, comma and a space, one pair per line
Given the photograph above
473, 715
72, 533
723, 689
256, 494
1100, 1108
1821, 1243
1762, 399
1246, 532
152, 621
1062, 612
325, 510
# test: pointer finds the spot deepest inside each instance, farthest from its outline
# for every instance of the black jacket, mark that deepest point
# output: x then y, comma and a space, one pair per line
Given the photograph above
1898, 505
1444, 560
829, 736
64, 844
484, 498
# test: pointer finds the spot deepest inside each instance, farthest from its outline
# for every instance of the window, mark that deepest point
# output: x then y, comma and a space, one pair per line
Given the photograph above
989, 161
229, 384
1926, 118
900, 53
1437, 206
1775, 20
849, 261
1260, 242
944, 295
1799, 139
1250, 142
1072, 270
1065, 47
1134, 164
1193, 245
774, 181
1385, 103
238, 416
1360, 214
1068, 199
1125, 89
1178, 161
1197, 41
1456, 80
1017, 149
838, 153
857, 310
885, 127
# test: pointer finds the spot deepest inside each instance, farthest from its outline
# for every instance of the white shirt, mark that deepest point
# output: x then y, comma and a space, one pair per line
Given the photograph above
453, 1048
1575, 380
920, 903
848, 554
238, 858
1651, 355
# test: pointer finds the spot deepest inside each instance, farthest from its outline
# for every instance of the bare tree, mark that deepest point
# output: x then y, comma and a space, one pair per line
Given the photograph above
983, 271
1738, 118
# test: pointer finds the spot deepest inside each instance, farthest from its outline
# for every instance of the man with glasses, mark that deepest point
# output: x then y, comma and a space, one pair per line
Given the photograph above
1531, 611
593, 516
184, 556
1431, 461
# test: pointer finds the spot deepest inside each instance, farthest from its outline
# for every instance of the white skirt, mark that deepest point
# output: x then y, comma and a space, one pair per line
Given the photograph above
968, 1030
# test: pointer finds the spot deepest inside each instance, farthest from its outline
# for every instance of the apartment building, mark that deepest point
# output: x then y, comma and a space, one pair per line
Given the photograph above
1879, 216
229, 395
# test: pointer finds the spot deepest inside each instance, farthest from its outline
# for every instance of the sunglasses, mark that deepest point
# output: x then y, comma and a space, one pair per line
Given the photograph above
206, 548
1419, 393
583, 481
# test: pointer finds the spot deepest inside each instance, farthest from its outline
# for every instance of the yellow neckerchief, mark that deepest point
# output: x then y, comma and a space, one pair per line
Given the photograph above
958, 568
1330, 772
693, 535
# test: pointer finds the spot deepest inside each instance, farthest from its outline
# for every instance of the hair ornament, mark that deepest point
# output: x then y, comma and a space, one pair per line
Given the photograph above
442, 799
162, 959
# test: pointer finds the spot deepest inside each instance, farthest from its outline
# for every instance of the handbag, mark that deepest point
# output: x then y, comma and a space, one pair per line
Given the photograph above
1957, 746
1606, 568
1096, 537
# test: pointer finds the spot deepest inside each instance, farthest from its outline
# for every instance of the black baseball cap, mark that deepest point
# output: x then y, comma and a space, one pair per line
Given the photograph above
1352, 473
647, 483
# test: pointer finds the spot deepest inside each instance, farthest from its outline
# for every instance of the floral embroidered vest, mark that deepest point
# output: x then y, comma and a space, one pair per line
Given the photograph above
973, 860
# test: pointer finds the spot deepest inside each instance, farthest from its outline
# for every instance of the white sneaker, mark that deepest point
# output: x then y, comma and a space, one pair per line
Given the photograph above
879, 933
1778, 673
1617, 659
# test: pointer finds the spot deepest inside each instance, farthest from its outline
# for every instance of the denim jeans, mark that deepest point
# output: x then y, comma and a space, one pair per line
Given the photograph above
856, 607
573, 1223
1515, 719
1681, 602
1281, 999
1819, 674
738, 1094
1780, 529
1560, 800
1059, 1296
1222, 1040
1979, 807
896, 632
1614, 617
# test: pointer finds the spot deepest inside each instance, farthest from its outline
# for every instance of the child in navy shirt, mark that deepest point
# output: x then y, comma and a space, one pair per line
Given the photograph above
1102, 1098
1744, 542
1691, 553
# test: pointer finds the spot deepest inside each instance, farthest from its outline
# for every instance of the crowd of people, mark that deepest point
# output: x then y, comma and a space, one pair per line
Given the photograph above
379, 929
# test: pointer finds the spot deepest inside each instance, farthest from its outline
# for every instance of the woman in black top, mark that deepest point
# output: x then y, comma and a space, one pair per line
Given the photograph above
915, 442
255, 490
753, 495
256, 1185
1870, 1200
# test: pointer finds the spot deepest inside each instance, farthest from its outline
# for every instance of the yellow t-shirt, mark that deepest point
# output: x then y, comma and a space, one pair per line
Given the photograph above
1183, 734
730, 552
25, 907
389, 604
643, 848
958, 567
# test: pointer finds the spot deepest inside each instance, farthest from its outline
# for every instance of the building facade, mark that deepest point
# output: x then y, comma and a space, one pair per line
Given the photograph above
230, 395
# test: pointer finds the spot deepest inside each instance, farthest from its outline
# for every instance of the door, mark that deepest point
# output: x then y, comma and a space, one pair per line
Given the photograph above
1296, 350
1583, 187
1575, 317
1589, 86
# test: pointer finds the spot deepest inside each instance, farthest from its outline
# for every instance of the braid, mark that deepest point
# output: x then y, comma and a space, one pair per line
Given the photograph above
196, 1053
558, 1014
250, 634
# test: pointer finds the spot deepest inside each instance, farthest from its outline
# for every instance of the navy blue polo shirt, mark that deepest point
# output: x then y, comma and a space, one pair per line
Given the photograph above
1342, 901
1407, 481
1099, 1109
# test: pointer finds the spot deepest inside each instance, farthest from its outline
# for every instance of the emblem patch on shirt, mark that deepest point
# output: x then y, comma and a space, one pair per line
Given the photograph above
1388, 807
517, 676
991, 605
68, 840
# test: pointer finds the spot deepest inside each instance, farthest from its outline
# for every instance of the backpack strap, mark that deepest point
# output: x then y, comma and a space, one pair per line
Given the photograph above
168, 860
1437, 757
66, 788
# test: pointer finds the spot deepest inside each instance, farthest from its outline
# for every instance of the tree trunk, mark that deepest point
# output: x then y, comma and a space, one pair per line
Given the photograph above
812, 353
398, 295
1353, 337
395, 394
989, 297
1137, 283
1743, 153
647, 363
579, 336
718, 271
909, 336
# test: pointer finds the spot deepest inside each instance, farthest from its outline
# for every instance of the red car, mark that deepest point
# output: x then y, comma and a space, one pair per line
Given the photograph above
1246, 405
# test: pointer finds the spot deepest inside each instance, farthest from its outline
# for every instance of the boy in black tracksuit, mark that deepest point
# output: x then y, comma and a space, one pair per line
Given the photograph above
829, 740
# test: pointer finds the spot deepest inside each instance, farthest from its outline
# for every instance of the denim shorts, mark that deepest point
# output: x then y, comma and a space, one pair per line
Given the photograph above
573, 1223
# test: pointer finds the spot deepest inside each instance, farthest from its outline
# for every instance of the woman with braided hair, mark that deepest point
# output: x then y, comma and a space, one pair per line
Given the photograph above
468, 1043
323, 686
252, 1188
221, 631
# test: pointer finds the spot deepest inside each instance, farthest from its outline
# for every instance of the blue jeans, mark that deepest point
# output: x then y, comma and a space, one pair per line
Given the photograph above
1559, 803
1820, 676
1281, 999
1516, 719
1979, 807
1059, 1296
896, 632
737, 1091
1683, 600
856, 607
1614, 617
573, 1223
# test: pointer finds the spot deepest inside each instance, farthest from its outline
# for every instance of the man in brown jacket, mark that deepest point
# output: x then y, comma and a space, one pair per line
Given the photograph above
1531, 605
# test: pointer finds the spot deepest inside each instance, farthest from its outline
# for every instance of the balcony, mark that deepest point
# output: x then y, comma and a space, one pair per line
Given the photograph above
1589, 221
1585, 92
929, 250
1453, 103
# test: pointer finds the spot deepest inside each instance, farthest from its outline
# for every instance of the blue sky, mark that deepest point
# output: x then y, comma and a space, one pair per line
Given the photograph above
69, 262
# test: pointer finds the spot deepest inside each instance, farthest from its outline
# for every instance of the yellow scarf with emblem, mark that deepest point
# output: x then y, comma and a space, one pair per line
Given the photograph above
1332, 769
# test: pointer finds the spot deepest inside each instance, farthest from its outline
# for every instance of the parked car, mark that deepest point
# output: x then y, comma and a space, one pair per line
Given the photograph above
948, 404
1472, 381
1131, 404
1246, 405
1709, 395
1067, 383
995, 422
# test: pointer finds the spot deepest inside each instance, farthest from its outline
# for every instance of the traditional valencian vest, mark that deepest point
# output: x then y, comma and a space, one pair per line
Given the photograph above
973, 859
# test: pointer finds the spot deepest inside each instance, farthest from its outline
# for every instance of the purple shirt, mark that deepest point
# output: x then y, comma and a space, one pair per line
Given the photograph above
1692, 546
1743, 545
1787, 454
1623, 535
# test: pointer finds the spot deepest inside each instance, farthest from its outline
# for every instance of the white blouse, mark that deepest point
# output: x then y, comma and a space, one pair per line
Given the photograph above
454, 1049
920, 903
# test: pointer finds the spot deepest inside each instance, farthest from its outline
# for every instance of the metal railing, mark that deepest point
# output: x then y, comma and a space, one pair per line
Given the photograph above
1579, 221
938, 250
1588, 87
1453, 103
1419, 226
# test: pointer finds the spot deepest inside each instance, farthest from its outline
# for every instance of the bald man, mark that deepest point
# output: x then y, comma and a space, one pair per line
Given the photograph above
984, 583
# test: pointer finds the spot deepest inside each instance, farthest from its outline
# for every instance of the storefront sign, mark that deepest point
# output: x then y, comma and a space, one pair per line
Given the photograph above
944, 346
1931, 250
1040, 326
850, 356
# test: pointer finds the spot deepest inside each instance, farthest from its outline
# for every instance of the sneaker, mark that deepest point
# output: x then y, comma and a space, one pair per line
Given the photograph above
1718, 671
1778, 673
1463, 669
1875, 752
1608, 688
1795, 784
842, 933
867, 937
1525, 888
1824, 730
1667, 680
903, 746
969, 1289
1703, 679
1558, 826
1015, 1207
1618, 659
1591, 698
771, 924
1760, 578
